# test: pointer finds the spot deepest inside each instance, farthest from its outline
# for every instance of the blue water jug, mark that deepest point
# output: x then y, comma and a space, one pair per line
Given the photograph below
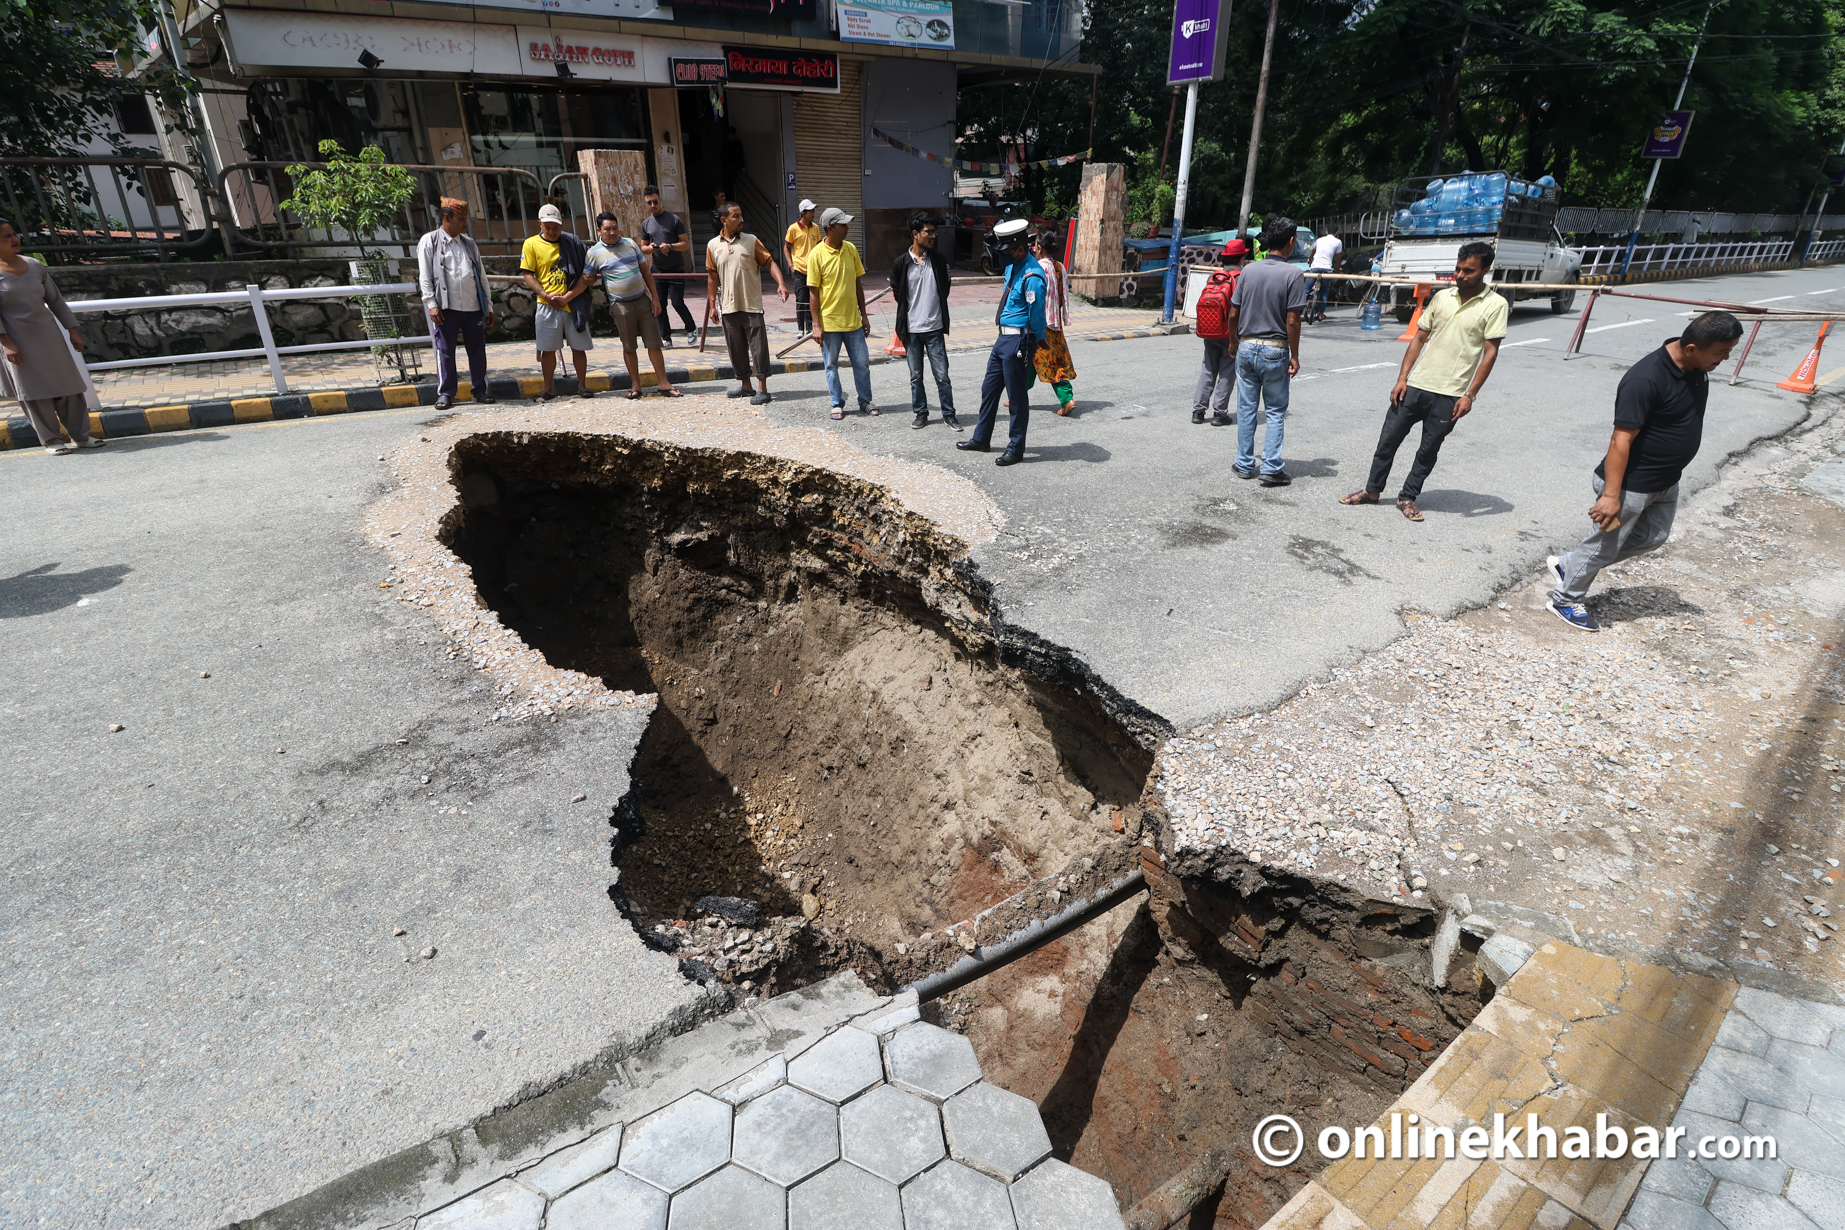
1373, 317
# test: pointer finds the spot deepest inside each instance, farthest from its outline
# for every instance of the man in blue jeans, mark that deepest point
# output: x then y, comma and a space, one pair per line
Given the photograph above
838, 301
919, 284
1265, 314
1021, 327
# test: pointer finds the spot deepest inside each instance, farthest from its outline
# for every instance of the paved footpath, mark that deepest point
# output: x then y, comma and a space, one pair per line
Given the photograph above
1572, 1037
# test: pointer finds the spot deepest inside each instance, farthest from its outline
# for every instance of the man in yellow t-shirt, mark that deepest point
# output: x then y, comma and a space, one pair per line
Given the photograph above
1444, 369
796, 244
833, 273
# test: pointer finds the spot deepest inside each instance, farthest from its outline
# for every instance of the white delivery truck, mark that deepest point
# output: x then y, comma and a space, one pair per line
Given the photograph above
1433, 217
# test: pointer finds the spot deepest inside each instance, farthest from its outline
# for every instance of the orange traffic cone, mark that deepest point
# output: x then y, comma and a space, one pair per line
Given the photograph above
1415, 320
895, 349
1802, 379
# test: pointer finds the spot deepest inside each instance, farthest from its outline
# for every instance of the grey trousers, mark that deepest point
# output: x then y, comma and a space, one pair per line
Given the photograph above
1646, 523
1216, 379
47, 412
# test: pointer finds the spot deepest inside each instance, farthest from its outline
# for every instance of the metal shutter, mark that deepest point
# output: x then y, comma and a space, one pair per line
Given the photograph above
829, 152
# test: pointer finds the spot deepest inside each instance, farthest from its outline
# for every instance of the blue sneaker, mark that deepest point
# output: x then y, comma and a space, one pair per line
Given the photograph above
1576, 615
1555, 564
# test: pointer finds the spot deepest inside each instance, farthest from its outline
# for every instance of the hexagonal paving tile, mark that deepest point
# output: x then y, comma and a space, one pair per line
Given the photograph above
952, 1197
995, 1132
756, 1082
891, 1133
731, 1199
929, 1059
1056, 1196
678, 1143
567, 1168
843, 1197
786, 1135
503, 1206
841, 1065
616, 1201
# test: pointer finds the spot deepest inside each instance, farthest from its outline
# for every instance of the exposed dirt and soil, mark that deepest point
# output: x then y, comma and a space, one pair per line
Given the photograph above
842, 733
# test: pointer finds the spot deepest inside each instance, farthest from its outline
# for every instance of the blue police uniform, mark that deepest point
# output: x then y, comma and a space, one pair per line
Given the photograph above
1021, 328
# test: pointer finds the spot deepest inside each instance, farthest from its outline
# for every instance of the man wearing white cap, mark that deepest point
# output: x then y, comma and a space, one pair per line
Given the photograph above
796, 244
1021, 327
834, 270
555, 266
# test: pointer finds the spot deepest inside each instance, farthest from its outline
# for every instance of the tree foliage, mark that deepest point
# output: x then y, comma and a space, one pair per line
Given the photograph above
360, 195
59, 85
1366, 92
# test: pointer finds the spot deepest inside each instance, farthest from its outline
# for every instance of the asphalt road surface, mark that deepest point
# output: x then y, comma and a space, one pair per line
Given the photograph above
207, 1010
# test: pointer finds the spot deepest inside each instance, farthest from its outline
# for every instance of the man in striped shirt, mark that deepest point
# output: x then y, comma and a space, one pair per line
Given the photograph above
633, 301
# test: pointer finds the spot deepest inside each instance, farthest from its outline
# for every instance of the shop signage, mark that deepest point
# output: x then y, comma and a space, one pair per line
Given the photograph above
1666, 139
557, 51
900, 23
334, 40
697, 72
790, 10
1200, 37
778, 68
645, 10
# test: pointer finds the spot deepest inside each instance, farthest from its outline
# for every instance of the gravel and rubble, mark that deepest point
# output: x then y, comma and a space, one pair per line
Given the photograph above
1672, 783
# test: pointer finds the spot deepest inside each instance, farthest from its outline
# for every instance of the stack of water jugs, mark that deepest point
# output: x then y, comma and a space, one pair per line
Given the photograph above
1466, 204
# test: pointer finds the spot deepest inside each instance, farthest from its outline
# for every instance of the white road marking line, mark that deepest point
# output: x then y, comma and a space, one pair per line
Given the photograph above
1772, 299
1530, 341
1604, 328
1362, 367
1827, 291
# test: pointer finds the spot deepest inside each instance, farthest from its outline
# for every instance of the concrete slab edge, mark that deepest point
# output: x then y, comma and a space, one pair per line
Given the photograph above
693, 1049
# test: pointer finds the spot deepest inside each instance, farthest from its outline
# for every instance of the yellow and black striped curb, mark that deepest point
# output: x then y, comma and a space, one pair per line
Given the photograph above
114, 424
16, 433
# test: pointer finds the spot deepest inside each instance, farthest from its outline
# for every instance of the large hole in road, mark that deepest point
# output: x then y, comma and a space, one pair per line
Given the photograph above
845, 727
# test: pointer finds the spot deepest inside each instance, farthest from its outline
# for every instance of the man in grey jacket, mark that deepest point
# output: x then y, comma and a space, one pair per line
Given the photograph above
448, 272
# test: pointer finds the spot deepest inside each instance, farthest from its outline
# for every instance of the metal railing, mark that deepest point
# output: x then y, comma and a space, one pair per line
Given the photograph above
1662, 257
257, 299
1587, 220
502, 207
576, 196
65, 208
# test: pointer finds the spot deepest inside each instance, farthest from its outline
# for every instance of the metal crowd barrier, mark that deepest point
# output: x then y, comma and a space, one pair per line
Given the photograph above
64, 207
502, 207
258, 300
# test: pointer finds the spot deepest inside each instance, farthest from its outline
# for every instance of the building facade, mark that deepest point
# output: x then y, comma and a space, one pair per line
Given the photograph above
769, 101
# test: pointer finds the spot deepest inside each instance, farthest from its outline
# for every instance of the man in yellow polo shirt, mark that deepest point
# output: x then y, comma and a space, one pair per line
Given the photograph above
802, 235
1447, 364
834, 270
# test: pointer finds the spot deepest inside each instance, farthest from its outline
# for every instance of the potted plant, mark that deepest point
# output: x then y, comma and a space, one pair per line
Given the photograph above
362, 195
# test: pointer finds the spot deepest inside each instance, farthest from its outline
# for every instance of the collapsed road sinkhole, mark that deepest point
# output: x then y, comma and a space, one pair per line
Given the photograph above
869, 769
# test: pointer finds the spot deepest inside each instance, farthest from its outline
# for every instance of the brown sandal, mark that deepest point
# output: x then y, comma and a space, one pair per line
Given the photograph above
1408, 509
1358, 497
667, 390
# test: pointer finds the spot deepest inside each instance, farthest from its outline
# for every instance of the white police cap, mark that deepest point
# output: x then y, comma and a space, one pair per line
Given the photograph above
1011, 228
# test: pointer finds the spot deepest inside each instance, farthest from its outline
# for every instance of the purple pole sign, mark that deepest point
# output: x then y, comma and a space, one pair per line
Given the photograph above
1666, 139
1200, 34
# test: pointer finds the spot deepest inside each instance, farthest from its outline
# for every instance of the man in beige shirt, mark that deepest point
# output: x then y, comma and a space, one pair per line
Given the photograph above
734, 262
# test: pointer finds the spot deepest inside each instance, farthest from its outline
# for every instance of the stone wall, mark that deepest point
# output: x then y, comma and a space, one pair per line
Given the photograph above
196, 330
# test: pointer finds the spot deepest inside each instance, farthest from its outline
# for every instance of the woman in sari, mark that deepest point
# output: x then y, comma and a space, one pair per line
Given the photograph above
34, 320
1053, 362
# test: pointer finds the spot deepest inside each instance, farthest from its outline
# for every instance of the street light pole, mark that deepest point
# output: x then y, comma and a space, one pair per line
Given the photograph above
1255, 127
1178, 203
1653, 176
1818, 214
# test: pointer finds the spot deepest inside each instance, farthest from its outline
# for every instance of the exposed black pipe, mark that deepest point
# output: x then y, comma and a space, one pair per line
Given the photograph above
1028, 939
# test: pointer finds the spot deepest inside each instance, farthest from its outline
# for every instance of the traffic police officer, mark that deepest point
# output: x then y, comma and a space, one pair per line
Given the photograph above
1021, 327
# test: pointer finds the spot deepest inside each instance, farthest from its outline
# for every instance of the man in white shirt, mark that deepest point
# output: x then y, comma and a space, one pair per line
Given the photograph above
1328, 257
455, 295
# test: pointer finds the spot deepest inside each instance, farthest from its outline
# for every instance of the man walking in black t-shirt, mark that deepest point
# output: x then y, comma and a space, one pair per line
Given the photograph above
664, 239
1658, 425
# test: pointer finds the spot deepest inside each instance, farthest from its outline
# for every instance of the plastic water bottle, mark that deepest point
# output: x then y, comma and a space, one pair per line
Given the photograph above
1373, 317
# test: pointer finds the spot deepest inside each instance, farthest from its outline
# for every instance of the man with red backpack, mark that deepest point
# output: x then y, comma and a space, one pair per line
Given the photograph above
1218, 378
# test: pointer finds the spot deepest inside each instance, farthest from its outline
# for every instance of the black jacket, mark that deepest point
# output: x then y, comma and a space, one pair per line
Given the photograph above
900, 289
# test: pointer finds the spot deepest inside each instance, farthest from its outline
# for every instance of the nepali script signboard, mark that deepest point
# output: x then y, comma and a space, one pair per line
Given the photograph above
1200, 36
778, 68
898, 23
1666, 139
